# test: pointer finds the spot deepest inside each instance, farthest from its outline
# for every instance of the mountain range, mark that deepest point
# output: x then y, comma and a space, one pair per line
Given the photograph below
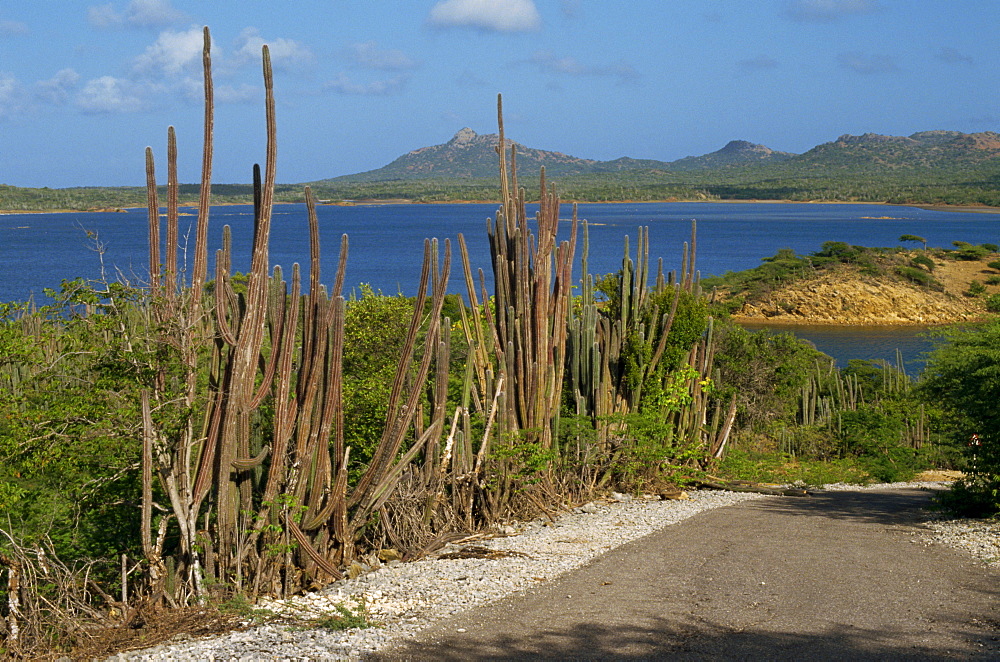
929, 167
469, 155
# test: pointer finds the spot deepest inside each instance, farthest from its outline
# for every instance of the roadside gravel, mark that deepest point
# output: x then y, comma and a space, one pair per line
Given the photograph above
406, 598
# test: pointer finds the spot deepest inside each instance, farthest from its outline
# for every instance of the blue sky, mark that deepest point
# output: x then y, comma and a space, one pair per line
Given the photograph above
86, 86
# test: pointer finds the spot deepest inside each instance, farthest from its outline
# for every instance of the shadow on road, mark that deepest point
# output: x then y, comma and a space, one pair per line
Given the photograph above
664, 640
900, 507
836, 576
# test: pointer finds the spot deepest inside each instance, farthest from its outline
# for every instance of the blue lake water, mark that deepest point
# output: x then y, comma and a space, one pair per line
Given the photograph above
386, 241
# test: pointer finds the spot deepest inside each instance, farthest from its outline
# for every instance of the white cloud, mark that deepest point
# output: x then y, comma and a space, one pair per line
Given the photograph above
492, 15
193, 90
867, 64
152, 13
109, 95
172, 54
547, 61
137, 13
244, 93
12, 28
370, 56
104, 16
11, 95
379, 88
285, 53
58, 88
825, 11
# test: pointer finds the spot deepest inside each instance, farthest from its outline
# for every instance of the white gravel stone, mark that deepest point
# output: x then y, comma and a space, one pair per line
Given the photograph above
404, 598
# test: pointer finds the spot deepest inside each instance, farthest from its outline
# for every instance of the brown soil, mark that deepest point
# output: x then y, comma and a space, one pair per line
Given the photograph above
846, 296
144, 630
938, 476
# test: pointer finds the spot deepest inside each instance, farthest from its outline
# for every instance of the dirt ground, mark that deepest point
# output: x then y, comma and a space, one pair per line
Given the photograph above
938, 476
956, 275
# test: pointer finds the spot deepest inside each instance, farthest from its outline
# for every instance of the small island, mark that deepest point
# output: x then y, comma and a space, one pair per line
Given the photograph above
857, 285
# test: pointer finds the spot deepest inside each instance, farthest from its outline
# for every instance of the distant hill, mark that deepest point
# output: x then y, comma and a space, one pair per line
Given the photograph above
929, 167
926, 149
737, 153
469, 155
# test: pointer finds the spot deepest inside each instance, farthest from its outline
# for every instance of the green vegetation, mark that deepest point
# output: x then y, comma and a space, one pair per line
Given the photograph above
206, 442
797, 412
344, 618
966, 251
913, 237
786, 267
932, 187
963, 375
975, 289
13, 198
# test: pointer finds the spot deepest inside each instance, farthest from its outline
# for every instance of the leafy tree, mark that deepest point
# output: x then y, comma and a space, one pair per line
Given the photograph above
963, 375
68, 426
766, 371
913, 237
872, 433
375, 327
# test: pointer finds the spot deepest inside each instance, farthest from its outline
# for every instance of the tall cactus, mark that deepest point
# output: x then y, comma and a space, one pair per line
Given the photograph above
272, 477
533, 283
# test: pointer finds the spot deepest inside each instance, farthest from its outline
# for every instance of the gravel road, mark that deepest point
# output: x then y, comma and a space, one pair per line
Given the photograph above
856, 574
843, 575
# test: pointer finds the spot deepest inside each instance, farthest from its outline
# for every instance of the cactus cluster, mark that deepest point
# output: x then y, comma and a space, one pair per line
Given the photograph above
256, 474
246, 440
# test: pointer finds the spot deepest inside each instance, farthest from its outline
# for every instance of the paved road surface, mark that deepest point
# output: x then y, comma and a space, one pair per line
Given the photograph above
837, 576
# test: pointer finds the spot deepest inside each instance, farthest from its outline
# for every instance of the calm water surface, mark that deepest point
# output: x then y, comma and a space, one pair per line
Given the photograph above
386, 241
870, 343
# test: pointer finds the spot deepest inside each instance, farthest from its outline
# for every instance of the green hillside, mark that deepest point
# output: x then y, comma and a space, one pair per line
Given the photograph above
930, 167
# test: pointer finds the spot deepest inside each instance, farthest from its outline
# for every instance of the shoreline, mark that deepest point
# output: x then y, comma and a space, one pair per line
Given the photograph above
795, 323
973, 209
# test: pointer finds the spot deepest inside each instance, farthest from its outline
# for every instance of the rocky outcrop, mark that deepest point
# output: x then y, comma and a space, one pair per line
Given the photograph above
850, 298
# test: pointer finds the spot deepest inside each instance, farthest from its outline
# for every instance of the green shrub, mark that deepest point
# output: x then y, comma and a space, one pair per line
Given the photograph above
995, 264
919, 277
840, 250
344, 618
976, 496
993, 303
993, 280
375, 328
975, 289
773, 467
969, 252
871, 434
963, 377
922, 261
